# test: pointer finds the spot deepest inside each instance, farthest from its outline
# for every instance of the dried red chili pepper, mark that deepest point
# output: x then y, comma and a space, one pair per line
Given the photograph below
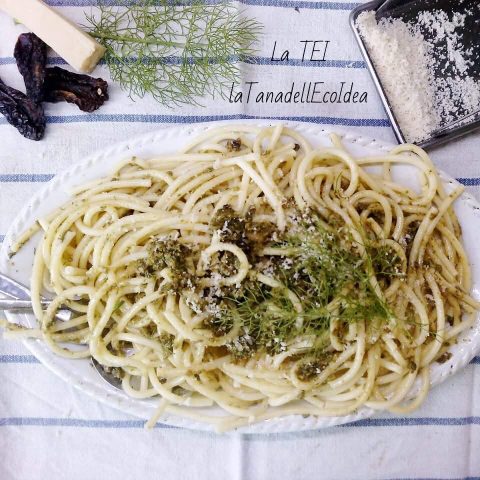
22, 112
86, 92
31, 55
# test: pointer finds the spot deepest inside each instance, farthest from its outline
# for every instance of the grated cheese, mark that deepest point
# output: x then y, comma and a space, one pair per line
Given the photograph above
409, 62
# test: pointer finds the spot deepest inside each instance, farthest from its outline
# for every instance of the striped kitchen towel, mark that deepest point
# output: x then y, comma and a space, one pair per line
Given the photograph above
48, 430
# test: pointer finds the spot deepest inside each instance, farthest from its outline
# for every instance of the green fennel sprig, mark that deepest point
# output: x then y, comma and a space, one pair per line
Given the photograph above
175, 52
321, 266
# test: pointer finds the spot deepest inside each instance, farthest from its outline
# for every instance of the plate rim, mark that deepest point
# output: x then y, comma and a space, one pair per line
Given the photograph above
100, 390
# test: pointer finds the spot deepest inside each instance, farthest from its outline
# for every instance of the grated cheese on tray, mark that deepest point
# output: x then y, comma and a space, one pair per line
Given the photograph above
423, 68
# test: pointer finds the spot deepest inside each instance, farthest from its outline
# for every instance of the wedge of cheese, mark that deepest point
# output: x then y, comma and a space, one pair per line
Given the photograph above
76, 47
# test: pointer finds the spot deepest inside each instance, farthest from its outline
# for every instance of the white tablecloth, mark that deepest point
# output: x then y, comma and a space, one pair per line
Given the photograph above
48, 430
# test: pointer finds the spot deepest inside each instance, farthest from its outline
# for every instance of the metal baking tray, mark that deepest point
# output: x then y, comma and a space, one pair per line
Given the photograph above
455, 129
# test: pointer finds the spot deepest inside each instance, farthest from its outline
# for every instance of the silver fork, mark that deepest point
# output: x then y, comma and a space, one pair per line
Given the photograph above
18, 299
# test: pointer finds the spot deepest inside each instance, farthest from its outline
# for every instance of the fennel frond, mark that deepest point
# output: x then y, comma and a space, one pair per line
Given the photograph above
175, 52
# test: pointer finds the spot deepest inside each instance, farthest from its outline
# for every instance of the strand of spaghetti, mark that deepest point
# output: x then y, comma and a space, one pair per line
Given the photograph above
424, 326
426, 228
463, 261
429, 194
400, 393
366, 195
151, 173
431, 351
159, 411
269, 194
326, 390
107, 186
243, 267
225, 401
358, 359
24, 238
224, 132
190, 172
440, 258
420, 397
209, 185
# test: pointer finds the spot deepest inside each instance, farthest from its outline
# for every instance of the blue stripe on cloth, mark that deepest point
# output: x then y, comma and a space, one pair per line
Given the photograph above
25, 177
435, 478
18, 359
2, 238
251, 60
74, 422
294, 62
144, 118
372, 422
255, 3
415, 422
469, 182
51, 61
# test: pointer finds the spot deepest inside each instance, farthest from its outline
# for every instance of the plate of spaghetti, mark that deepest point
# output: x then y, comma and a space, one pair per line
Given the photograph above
260, 276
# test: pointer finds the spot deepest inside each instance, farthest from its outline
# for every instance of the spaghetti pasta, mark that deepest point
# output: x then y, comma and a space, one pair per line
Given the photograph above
258, 274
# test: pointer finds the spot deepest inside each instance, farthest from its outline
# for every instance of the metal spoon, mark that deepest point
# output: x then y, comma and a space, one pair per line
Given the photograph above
107, 375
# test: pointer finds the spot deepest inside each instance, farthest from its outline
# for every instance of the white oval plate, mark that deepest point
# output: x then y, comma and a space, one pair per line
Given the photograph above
80, 373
